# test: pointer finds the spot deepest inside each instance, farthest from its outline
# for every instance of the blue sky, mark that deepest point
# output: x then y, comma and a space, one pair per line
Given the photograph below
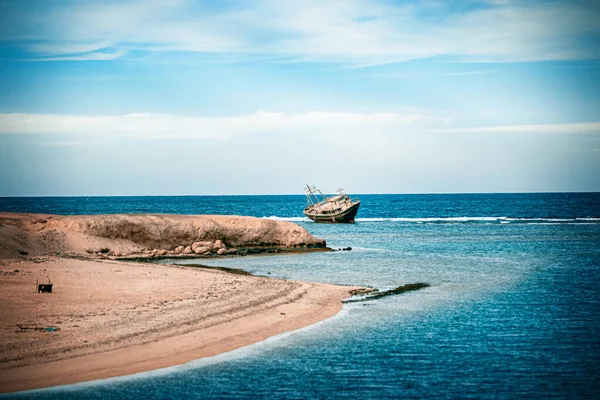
248, 97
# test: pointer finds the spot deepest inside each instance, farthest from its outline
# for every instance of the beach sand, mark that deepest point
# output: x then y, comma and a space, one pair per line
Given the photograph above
118, 318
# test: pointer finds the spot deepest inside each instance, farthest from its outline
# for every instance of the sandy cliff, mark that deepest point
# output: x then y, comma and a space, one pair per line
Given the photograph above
146, 234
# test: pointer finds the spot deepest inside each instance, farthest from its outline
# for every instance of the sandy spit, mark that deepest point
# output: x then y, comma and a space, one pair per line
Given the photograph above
118, 318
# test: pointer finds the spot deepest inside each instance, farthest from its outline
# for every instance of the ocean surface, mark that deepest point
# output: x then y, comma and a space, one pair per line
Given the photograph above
513, 310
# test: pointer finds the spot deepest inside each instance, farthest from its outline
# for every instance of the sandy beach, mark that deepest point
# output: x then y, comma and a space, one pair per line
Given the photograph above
117, 318
109, 317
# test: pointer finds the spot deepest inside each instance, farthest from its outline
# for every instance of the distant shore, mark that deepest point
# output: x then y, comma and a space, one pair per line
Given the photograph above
108, 317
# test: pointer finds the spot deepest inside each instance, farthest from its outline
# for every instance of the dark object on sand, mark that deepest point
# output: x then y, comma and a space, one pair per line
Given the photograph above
346, 248
340, 208
44, 288
25, 328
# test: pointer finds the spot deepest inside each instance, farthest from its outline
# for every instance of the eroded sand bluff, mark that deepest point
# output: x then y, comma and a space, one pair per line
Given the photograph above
147, 235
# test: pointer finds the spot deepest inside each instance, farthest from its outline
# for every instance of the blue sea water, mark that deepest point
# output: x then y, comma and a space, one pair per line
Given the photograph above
513, 310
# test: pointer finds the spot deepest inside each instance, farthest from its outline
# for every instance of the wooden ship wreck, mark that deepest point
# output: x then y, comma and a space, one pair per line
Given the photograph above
335, 209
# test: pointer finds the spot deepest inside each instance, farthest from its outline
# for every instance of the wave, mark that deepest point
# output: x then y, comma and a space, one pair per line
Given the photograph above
293, 219
501, 220
432, 219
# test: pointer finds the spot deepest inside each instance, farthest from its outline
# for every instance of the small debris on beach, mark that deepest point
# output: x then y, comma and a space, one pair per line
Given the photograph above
25, 328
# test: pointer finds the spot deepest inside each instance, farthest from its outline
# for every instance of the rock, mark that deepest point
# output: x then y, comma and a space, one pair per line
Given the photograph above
115, 253
153, 253
23, 252
178, 250
201, 250
187, 250
202, 247
218, 245
161, 252
92, 251
202, 244
232, 251
221, 251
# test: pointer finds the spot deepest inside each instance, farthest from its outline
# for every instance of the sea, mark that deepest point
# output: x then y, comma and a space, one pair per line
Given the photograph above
512, 310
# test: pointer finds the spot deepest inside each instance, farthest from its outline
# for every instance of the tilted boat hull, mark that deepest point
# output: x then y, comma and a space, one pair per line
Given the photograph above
345, 216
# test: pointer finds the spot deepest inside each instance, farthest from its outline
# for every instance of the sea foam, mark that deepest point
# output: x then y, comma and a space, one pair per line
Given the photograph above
464, 219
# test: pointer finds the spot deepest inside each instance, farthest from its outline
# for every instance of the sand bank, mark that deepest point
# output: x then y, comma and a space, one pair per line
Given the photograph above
117, 318
147, 235
114, 317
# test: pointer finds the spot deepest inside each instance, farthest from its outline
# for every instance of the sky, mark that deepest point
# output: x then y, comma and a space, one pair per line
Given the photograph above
179, 97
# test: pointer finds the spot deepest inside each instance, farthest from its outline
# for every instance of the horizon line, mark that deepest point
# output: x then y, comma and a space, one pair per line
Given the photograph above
292, 194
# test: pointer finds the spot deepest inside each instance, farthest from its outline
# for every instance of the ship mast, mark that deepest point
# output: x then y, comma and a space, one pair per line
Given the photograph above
311, 197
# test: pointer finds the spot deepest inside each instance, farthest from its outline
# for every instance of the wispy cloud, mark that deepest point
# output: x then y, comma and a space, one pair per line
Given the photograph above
402, 75
577, 128
355, 32
91, 56
156, 126
152, 126
45, 48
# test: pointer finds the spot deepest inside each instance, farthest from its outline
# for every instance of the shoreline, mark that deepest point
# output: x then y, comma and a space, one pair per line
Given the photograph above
130, 322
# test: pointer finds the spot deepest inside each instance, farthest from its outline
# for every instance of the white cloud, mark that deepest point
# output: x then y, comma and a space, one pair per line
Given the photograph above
149, 126
316, 123
419, 74
356, 32
53, 48
586, 127
92, 56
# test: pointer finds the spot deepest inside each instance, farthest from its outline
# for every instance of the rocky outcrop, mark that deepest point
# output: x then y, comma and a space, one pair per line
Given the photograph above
148, 234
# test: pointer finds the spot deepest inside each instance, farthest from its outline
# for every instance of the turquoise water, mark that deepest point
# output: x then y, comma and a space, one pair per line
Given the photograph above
513, 309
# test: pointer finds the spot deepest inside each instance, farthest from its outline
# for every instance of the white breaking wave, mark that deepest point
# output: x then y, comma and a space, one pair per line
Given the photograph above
293, 219
502, 220
434, 219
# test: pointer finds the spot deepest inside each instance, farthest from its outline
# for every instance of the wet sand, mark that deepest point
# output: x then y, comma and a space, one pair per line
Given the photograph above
118, 318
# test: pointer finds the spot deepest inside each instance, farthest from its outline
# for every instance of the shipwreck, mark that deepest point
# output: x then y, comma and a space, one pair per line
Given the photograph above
335, 209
